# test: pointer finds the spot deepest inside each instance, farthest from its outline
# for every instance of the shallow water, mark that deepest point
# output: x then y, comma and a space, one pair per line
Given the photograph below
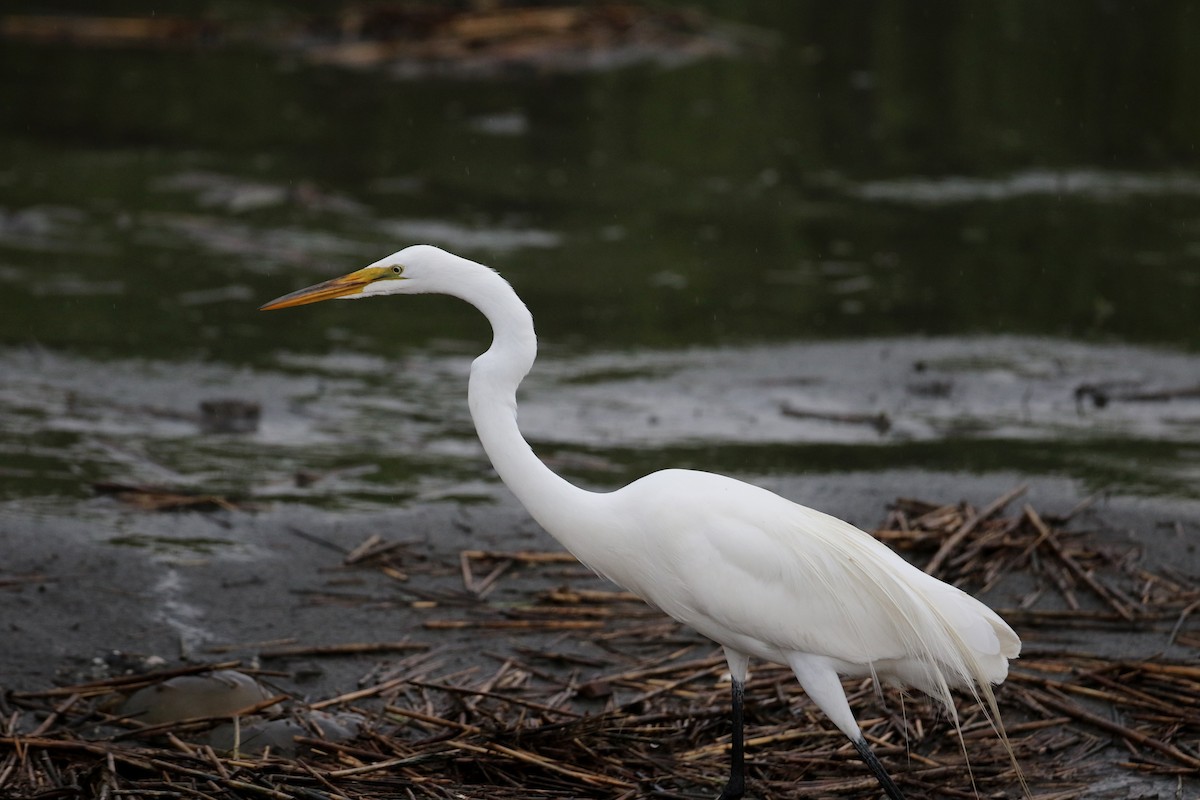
901, 241
355, 429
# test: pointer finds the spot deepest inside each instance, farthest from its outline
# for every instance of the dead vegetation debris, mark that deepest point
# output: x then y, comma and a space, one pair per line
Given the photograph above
161, 498
644, 711
476, 39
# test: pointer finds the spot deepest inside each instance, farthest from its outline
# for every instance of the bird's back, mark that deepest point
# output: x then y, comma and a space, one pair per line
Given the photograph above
769, 578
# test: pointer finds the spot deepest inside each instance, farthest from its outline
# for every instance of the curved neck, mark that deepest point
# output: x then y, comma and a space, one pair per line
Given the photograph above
492, 397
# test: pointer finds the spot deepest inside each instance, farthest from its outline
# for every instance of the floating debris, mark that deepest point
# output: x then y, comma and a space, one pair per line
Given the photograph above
160, 498
229, 416
407, 39
880, 421
1101, 394
108, 31
494, 39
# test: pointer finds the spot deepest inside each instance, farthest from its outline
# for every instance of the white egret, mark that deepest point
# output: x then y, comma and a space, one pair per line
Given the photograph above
758, 574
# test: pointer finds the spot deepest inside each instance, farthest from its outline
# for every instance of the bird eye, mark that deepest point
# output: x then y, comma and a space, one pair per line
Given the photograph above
398, 270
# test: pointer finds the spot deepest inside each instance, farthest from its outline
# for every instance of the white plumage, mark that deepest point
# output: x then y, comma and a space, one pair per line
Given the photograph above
770, 579
760, 575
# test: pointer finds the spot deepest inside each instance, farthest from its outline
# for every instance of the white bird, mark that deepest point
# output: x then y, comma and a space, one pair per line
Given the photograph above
756, 573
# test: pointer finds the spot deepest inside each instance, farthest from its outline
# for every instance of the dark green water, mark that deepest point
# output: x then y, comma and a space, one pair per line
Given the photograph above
862, 170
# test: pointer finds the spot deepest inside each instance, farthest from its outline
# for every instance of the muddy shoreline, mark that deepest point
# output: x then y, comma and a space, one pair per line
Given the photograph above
80, 609
229, 585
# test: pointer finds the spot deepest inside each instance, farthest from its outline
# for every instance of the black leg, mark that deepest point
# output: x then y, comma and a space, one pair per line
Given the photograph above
885, 780
737, 767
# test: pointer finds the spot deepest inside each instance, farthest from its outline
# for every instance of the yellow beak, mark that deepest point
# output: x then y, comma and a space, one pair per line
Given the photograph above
328, 290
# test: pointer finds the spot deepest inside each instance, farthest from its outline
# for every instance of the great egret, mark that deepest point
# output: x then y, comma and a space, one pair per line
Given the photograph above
758, 574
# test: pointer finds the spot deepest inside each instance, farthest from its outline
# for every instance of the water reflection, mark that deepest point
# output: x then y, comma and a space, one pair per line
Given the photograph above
937, 169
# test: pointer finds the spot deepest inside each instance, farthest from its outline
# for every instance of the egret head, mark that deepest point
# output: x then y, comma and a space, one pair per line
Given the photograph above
420, 269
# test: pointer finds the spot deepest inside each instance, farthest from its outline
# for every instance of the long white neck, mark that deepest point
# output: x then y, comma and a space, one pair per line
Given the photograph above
492, 396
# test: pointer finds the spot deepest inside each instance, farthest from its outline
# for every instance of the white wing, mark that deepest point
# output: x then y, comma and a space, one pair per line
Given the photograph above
768, 577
